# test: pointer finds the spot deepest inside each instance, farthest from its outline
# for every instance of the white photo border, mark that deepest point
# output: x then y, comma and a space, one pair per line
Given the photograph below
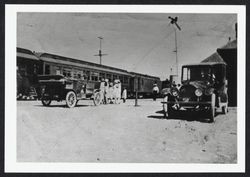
11, 164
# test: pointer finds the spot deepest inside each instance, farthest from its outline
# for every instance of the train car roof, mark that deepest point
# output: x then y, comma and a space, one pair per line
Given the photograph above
145, 75
206, 64
79, 63
27, 54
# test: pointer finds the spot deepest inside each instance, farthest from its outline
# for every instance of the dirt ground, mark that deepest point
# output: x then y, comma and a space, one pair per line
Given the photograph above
122, 133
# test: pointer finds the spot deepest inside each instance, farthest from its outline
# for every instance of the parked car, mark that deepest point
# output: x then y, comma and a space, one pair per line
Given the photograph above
204, 88
59, 88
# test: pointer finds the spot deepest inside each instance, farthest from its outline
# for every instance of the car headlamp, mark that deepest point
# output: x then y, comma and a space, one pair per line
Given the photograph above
198, 92
174, 93
209, 91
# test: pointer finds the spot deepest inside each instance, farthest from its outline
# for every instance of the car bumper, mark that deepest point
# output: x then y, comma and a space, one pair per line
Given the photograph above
189, 103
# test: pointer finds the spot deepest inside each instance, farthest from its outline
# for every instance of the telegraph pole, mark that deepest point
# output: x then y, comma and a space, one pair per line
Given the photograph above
100, 51
174, 22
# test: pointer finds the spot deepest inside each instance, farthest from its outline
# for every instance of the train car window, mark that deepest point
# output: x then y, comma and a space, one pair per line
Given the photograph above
94, 76
77, 74
47, 69
125, 80
109, 77
121, 79
40, 69
67, 72
56, 70
142, 81
115, 77
102, 75
22, 71
83, 77
88, 75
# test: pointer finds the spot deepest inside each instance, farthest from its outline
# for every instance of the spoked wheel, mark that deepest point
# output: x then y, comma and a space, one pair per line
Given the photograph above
212, 109
97, 98
46, 102
71, 99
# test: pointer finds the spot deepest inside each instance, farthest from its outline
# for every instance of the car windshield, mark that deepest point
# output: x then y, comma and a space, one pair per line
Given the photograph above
195, 73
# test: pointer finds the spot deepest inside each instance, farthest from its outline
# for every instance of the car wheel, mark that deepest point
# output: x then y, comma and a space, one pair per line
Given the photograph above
97, 98
71, 99
46, 102
212, 109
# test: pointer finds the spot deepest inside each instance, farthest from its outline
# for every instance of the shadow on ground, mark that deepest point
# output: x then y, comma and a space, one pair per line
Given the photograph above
60, 106
184, 115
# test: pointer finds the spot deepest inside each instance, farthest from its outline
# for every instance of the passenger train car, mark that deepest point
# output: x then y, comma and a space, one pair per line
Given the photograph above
28, 67
50, 64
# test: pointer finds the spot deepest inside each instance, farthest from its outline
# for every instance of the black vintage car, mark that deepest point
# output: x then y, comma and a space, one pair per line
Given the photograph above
59, 88
204, 88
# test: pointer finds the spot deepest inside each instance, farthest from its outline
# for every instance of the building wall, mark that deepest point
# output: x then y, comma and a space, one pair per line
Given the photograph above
230, 57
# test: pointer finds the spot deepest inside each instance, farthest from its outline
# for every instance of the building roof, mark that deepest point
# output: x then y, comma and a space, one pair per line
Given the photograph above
206, 64
25, 53
215, 57
230, 45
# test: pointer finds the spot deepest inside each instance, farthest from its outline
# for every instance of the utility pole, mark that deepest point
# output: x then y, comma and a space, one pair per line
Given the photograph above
174, 22
100, 51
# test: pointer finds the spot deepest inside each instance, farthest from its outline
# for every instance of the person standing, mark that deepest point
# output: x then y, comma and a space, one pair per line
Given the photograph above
106, 91
117, 91
124, 95
102, 90
155, 91
111, 93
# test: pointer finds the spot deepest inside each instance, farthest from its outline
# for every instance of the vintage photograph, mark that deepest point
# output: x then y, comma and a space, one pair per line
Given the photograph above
126, 87
98, 89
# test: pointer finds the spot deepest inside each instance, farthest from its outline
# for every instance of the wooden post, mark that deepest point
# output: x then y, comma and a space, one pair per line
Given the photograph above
136, 98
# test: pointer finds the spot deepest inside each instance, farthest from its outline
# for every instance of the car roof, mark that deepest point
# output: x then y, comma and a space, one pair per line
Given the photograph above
206, 64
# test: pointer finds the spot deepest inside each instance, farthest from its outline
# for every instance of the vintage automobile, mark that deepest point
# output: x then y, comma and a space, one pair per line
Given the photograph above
204, 88
59, 88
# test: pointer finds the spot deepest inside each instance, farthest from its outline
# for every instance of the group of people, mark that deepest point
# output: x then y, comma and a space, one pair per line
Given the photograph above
111, 92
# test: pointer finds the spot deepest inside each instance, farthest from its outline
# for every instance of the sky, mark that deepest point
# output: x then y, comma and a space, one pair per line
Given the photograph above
142, 42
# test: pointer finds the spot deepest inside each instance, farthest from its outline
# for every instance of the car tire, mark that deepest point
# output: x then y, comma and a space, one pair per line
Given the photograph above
46, 102
97, 98
212, 109
71, 99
